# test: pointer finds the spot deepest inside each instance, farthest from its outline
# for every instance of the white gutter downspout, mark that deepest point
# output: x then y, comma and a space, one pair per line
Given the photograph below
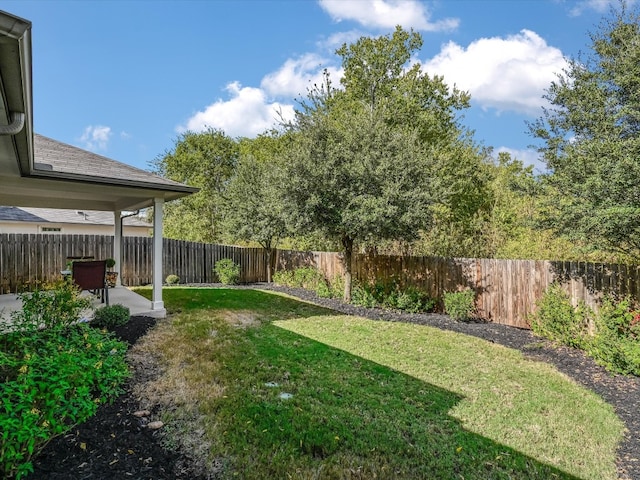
16, 125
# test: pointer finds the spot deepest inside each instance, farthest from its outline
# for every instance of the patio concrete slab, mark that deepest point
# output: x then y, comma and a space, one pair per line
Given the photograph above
138, 305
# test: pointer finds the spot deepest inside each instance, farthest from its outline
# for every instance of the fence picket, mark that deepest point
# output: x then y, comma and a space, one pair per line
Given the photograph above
506, 290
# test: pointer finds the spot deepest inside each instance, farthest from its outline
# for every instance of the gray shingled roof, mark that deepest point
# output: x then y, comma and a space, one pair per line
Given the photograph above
53, 157
54, 215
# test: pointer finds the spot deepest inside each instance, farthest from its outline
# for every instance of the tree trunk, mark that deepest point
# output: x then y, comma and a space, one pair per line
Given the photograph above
269, 254
347, 243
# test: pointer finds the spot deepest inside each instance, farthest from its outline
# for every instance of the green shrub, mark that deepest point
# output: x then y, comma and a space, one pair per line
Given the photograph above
110, 316
323, 289
558, 320
227, 271
363, 296
413, 300
460, 305
172, 279
55, 304
337, 286
303, 277
53, 379
283, 277
616, 342
307, 277
331, 289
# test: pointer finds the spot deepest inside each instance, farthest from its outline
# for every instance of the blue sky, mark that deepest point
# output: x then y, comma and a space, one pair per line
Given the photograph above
124, 79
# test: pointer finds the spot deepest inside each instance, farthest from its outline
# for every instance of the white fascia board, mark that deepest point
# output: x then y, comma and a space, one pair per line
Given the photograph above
15, 56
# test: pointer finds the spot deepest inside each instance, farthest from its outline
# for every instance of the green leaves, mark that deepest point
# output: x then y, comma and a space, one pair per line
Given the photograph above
206, 160
52, 379
591, 140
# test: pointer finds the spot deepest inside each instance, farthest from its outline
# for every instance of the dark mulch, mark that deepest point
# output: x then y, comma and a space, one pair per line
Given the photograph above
118, 445
113, 444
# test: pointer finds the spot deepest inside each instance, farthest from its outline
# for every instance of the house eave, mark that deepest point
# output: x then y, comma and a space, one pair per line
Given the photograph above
16, 89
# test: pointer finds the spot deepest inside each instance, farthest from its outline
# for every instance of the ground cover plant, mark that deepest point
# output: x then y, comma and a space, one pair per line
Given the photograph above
51, 378
269, 387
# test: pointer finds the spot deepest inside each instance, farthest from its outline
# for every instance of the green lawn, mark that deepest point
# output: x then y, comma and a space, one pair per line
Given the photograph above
368, 399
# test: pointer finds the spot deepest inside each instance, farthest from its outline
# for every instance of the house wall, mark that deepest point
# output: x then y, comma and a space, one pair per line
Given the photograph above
72, 229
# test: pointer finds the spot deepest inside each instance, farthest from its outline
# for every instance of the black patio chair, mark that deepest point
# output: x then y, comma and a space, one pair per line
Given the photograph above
91, 275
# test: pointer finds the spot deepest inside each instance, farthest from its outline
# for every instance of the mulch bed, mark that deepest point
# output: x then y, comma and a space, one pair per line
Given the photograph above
117, 444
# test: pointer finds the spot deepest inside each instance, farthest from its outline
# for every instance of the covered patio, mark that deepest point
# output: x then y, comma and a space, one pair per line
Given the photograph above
136, 304
36, 171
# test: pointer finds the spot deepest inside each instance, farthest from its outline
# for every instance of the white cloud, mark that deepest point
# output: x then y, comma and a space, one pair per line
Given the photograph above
95, 137
386, 14
296, 76
246, 114
508, 74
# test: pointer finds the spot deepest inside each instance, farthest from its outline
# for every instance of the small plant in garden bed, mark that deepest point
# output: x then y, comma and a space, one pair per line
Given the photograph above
51, 304
53, 378
614, 342
460, 305
303, 277
110, 316
172, 280
227, 271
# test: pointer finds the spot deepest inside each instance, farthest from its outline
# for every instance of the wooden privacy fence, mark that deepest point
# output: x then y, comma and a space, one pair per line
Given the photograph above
506, 290
29, 258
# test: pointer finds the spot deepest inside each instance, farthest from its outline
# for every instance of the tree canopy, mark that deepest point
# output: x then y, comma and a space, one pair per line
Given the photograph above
369, 161
254, 208
206, 160
591, 140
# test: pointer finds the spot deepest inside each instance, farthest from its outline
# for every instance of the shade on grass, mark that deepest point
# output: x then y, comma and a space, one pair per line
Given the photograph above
374, 398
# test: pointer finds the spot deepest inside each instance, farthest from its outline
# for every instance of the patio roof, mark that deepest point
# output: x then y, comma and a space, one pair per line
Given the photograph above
64, 176
36, 171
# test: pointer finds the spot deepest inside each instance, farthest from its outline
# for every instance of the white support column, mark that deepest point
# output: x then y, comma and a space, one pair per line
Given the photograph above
117, 245
156, 302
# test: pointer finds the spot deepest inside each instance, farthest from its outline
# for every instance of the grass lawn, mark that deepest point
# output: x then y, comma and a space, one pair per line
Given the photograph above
269, 387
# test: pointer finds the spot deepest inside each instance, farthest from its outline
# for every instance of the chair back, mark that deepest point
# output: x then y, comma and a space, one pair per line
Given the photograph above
89, 275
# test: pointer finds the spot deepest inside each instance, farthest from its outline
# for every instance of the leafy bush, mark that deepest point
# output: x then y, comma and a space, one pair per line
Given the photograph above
337, 286
283, 277
558, 320
54, 304
304, 277
331, 289
363, 296
460, 305
227, 271
110, 316
172, 279
53, 379
323, 289
413, 300
616, 342
307, 277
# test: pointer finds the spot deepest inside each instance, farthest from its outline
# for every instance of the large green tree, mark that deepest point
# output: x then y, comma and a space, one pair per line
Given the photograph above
366, 162
206, 160
591, 139
254, 209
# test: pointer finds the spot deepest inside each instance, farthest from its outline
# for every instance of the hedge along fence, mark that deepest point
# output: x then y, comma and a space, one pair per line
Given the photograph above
506, 290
